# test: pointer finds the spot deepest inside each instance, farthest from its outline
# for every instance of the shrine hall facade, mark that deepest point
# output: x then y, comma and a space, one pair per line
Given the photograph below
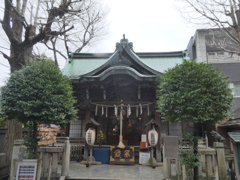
105, 82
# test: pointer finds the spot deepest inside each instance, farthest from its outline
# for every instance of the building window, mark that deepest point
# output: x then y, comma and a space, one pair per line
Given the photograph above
77, 128
235, 88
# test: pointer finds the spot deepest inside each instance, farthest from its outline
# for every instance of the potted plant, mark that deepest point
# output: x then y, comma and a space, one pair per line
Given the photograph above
100, 139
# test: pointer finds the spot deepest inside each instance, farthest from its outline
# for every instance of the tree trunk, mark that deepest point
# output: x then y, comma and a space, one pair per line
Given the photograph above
195, 150
14, 131
20, 56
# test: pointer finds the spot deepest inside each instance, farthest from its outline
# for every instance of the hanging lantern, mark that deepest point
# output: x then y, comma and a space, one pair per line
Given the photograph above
90, 136
152, 137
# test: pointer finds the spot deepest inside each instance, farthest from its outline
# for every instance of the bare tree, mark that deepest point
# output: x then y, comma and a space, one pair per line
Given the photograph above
223, 14
89, 27
28, 23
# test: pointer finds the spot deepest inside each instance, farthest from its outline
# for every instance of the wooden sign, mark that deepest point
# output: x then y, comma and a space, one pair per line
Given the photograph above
122, 155
47, 133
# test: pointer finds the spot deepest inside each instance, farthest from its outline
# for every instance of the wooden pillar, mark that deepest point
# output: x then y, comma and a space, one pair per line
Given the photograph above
99, 120
158, 146
145, 120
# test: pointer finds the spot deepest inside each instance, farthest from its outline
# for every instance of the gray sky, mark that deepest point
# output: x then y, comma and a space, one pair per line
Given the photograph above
152, 26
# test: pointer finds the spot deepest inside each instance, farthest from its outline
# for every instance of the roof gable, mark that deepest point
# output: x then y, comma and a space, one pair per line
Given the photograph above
139, 65
124, 57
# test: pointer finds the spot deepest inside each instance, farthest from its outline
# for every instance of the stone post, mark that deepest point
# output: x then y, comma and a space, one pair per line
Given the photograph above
221, 160
209, 166
166, 166
66, 158
15, 156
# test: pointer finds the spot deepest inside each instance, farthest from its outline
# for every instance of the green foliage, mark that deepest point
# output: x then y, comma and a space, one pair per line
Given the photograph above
100, 139
187, 156
30, 142
189, 139
3, 122
38, 94
195, 92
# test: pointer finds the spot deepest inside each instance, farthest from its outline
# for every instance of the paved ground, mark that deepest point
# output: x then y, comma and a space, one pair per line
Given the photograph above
105, 171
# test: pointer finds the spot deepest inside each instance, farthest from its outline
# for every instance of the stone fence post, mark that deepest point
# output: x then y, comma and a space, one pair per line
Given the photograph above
15, 156
221, 160
66, 158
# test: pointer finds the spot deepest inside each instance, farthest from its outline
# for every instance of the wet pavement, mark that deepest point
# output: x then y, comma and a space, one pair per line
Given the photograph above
106, 171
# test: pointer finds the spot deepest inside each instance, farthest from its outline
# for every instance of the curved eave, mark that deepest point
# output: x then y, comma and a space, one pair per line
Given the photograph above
120, 70
131, 54
138, 60
102, 66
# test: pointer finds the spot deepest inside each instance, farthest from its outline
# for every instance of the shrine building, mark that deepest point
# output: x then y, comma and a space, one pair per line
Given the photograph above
105, 82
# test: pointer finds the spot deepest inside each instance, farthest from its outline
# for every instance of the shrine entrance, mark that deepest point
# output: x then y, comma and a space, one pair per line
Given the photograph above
132, 129
137, 103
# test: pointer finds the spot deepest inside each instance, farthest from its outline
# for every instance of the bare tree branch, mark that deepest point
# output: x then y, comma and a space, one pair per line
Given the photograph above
223, 14
55, 50
4, 55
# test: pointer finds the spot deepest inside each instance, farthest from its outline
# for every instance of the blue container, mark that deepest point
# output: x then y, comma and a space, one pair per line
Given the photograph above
102, 155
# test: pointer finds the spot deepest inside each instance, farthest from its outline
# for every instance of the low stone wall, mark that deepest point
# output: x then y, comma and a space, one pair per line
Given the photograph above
47, 163
213, 167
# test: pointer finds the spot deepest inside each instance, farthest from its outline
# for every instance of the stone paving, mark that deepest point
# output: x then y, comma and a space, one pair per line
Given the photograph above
105, 171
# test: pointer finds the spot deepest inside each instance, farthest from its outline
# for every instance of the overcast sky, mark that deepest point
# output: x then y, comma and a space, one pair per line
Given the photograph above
152, 26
